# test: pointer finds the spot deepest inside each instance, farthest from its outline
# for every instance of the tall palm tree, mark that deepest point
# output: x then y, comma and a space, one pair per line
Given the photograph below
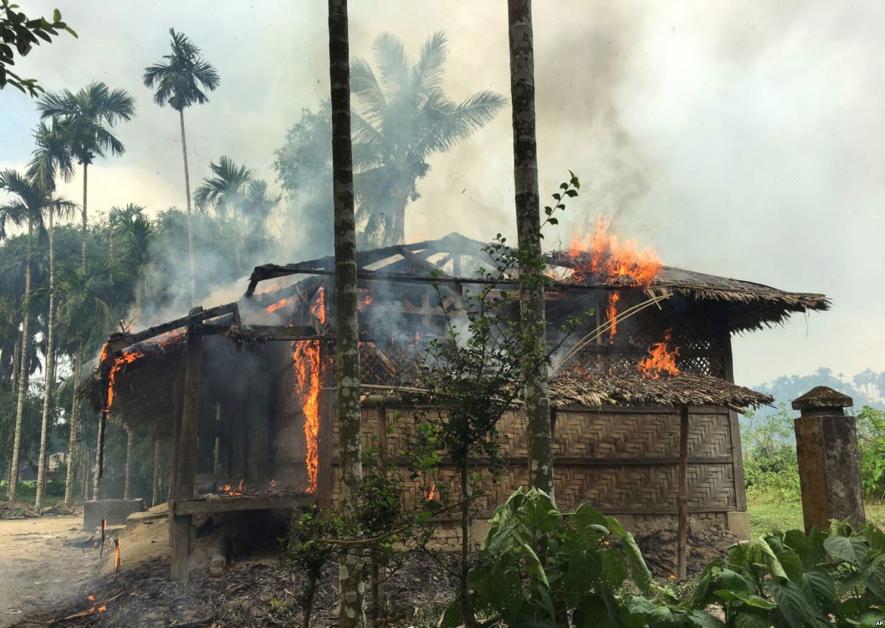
85, 120
226, 193
27, 205
402, 119
51, 156
528, 226
135, 233
181, 81
347, 355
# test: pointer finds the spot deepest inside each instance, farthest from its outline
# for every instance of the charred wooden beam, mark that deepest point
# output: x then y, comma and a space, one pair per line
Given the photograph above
196, 315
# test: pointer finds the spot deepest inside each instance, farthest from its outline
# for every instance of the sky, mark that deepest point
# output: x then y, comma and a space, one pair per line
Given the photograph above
738, 139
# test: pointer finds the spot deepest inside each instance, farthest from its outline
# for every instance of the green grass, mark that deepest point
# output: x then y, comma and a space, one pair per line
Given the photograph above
771, 512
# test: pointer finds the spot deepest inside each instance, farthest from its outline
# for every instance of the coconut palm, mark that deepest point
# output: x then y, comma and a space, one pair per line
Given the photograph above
403, 119
226, 193
181, 81
51, 157
85, 120
26, 206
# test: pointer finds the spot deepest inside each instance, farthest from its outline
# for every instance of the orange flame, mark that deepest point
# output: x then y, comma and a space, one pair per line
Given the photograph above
277, 305
365, 299
618, 262
119, 363
661, 359
306, 360
318, 307
433, 493
93, 607
116, 556
230, 491
170, 337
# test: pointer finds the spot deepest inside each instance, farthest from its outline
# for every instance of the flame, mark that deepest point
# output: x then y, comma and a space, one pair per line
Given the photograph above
170, 337
365, 299
433, 493
617, 261
116, 556
661, 359
119, 363
93, 607
228, 490
306, 360
277, 305
318, 307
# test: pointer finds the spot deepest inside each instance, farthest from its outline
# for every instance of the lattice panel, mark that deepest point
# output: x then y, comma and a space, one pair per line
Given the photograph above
626, 489
596, 435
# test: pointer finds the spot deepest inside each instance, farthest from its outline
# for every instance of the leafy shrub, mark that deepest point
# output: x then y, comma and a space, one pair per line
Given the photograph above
543, 568
871, 442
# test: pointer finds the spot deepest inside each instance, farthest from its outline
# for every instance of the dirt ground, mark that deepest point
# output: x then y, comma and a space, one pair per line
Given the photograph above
41, 564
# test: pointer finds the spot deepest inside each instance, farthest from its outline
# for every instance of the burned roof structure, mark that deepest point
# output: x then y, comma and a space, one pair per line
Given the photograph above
243, 392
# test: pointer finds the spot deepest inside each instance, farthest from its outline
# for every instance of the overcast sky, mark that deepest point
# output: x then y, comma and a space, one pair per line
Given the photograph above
735, 138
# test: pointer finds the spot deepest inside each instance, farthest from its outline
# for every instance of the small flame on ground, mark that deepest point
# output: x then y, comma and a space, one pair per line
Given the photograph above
433, 493
661, 359
306, 360
116, 556
93, 607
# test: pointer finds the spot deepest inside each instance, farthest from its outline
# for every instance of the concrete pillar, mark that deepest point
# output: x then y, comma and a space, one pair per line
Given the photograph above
829, 465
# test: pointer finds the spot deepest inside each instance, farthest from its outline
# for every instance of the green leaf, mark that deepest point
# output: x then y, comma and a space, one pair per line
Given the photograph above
614, 568
792, 564
571, 193
748, 599
750, 620
841, 548
817, 585
451, 617
56, 16
792, 605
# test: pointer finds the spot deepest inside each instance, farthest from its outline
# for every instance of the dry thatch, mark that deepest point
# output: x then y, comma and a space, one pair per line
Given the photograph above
583, 388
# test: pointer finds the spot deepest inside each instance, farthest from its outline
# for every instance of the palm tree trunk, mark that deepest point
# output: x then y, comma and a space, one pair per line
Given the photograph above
99, 447
130, 451
187, 191
50, 368
528, 226
85, 226
72, 434
23, 372
347, 357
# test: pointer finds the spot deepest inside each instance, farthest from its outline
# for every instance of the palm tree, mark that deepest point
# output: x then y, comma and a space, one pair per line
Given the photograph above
401, 121
182, 81
84, 119
27, 205
136, 234
51, 156
347, 355
528, 226
226, 194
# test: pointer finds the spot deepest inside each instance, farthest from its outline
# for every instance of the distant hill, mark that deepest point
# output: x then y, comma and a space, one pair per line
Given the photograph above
867, 388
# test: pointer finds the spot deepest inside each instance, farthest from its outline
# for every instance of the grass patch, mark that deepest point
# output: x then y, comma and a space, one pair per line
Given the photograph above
770, 512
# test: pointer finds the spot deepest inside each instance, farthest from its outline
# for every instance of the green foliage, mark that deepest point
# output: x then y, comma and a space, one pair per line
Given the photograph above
792, 579
871, 442
184, 78
539, 567
770, 466
19, 34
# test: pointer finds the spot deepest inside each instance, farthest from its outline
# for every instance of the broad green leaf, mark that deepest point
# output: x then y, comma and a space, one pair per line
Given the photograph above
842, 548
614, 568
817, 585
748, 599
750, 620
792, 564
792, 605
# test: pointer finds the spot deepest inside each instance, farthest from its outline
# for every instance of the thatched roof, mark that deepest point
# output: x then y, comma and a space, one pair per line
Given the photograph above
749, 305
582, 388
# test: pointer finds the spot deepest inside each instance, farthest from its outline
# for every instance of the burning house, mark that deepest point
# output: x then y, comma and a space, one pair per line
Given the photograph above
241, 396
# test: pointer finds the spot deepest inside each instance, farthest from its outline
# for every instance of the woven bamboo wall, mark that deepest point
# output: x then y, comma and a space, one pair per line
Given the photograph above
621, 461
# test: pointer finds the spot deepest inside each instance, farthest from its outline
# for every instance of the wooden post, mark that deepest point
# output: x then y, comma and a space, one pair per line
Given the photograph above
99, 455
187, 453
682, 497
127, 472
